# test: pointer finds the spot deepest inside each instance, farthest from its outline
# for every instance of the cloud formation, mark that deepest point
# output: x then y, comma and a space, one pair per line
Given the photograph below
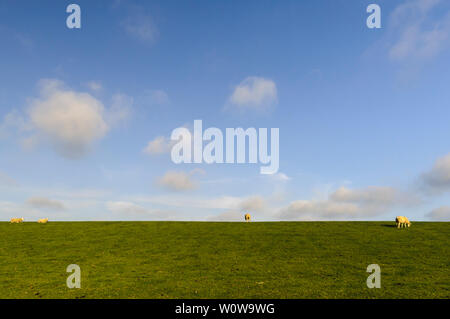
253, 203
418, 36
177, 181
159, 145
347, 203
70, 121
254, 93
440, 214
438, 178
280, 177
240, 206
46, 203
228, 216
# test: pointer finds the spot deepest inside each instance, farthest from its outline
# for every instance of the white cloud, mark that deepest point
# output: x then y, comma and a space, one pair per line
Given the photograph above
187, 202
438, 178
440, 214
71, 121
177, 181
159, 145
228, 216
223, 202
418, 36
347, 203
42, 202
370, 195
280, 177
197, 171
318, 210
254, 93
180, 181
237, 207
253, 203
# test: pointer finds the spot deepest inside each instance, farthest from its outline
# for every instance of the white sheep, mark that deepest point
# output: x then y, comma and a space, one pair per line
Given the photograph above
402, 221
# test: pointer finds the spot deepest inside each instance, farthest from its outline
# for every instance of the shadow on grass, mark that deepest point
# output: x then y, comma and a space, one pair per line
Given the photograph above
389, 225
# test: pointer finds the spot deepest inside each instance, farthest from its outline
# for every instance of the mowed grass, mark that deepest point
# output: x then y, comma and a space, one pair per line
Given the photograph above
224, 260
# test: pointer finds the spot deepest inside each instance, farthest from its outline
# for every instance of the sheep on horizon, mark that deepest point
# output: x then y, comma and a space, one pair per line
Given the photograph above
402, 221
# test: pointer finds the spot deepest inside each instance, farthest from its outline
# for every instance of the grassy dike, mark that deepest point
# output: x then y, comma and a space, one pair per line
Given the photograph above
224, 260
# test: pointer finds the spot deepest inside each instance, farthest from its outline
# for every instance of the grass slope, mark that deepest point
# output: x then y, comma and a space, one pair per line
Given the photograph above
224, 260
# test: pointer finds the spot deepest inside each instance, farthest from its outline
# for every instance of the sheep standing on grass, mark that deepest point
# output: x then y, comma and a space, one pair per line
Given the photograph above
17, 220
43, 221
402, 221
247, 217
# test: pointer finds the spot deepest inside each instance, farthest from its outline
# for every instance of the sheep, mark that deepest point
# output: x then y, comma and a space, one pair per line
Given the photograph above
247, 217
402, 221
17, 220
43, 221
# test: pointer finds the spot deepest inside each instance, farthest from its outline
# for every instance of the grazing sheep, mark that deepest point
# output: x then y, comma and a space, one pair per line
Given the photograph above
407, 222
402, 221
17, 220
399, 220
43, 221
247, 217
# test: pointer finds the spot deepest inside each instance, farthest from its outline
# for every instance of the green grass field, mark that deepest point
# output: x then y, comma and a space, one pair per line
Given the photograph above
224, 260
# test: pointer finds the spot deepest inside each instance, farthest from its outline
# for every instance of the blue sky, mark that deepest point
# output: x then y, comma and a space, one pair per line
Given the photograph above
363, 113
